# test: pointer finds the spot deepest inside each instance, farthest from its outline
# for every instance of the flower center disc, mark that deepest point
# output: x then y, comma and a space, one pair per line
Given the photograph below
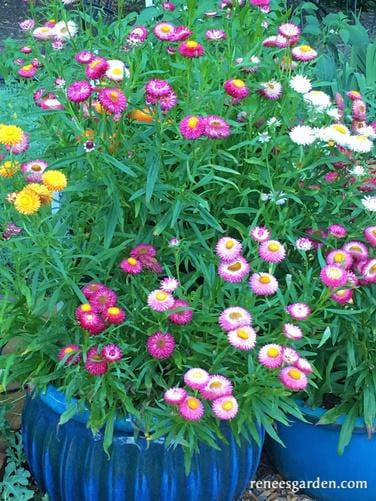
243, 334
238, 83
192, 45
334, 273
294, 374
305, 48
161, 296
193, 403
235, 267
86, 307
113, 310
273, 352
264, 279
273, 247
215, 385
227, 405
229, 244
132, 261
192, 122
339, 257
235, 315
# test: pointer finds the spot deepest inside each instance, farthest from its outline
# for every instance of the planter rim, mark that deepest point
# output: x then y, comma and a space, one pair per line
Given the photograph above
314, 414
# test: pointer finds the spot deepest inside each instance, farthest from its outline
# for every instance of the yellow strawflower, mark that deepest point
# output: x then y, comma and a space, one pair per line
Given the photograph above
27, 202
9, 168
42, 191
54, 180
10, 135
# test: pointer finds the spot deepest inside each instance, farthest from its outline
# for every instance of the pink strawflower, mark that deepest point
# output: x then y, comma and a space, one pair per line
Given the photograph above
225, 408
271, 356
292, 331
141, 250
83, 308
151, 263
168, 6
289, 355
58, 44
342, 296
27, 71
293, 378
271, 90
215, 35
260, 234
164, 31
359, 110
112, 353
89, 289
263, 284
112, 100
191, 49
228, 249
272, 251
160, 300
160, 345
192, 127
303, 53
96, 68
299, 311
175, 396
79, 91
181, 317
340, 257
369, 271
289, 30
354, 95
71, 350
333, 275
216, 127
181, 33
84, 57
262, 4
337, 230
169, 284
243, 338
196, 378
217, 386
331, 177
114, 315
191, 408
92, 322
357, 249
102, 299
131, 265
281, 42
233, 318
33, 170
158, 88
236, 88
303, 365
304, 244
138, 35
168, 102
27, 24
95, 364
26, 50
352, 279
174, 242
369, 234
234, 271
270, 41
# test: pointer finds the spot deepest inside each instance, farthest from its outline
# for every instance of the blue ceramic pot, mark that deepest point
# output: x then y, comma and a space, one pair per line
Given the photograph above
311, 455
69, 463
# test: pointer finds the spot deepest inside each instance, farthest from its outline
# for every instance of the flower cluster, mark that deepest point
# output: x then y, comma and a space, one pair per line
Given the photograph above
142, 256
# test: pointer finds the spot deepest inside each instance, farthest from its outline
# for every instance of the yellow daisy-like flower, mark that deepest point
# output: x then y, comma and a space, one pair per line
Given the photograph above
10, 135
9, 168
27, 202
54, 180
42, 191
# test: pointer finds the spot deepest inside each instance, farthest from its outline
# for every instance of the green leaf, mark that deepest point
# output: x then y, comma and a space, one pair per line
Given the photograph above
119, 165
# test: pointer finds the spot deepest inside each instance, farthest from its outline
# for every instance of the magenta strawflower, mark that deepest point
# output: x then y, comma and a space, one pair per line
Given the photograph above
359, 110
191, 408
292, 331
27, 71
79, 91
225, 408
175, 396
181, 33
192, 127
342, 296
96, 68
138, 35
169, 284
263, 284
131, 265
84, 57
160, 300
217, 386
337, 230
289, 355
89, 289
158, 88
369, 234
160, 345
303, 53
26, 50
333, 275
141, 250
260, 234
191, 49
215, 35
95, 364
303, 365
272, 251
357, 249
92, 322
33, 170
112, 353
168, 5
216, 127
71, 350
27, 24
196, 378
340, 257
228, 249
181, 317
83, 308
354, 95
112, 100
114, 315
151, 263
271, 90
299, 311
234, 317
234, 271
271, 355
369, 271
243, 338
304, 244
102, 299
289, 30
293, 378
164, 31
236, 88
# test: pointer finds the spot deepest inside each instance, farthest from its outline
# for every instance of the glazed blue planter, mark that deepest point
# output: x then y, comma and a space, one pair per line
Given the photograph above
69, 463
311, 455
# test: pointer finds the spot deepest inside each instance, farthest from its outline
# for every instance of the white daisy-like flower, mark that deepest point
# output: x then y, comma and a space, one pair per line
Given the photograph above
263, 137
302, 134
273, 121
358, 170
116, 70
65, 30
338, 133
369, 203
264, 197
69, 2
300, 84
333, 113
317, 99
255, 59
367, 131
360, 144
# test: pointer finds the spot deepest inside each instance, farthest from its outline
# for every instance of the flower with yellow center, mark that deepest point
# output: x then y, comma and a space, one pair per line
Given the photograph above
42, 191
193, 403
27, 202
10, 135
54, 180
273, 352
238, 83
227, 405
191, 44
305, 48
264, 279
295, 374
192, 122
9, 168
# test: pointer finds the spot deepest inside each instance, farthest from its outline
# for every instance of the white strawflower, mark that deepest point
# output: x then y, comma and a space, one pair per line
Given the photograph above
368, 131
69, 2
273, 121
358, 170
255, 60
302, 134
65, 30
336, 132
300, 84
303, 244
317, 99
263, 137
360, 144
369, 203
334, 113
